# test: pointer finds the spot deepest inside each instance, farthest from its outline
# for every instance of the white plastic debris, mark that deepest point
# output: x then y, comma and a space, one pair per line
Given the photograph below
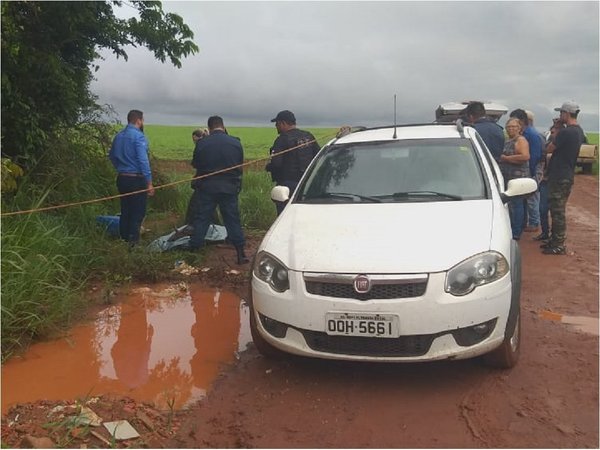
121, 430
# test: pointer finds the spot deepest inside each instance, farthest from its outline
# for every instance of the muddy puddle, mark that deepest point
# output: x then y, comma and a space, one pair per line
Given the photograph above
582, 324
164, 344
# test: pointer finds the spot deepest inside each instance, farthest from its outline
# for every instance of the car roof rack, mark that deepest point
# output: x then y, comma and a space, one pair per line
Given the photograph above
346, 130
420, 124
451, 111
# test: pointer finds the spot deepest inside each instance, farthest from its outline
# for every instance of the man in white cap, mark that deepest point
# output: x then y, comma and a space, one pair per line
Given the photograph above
561, 173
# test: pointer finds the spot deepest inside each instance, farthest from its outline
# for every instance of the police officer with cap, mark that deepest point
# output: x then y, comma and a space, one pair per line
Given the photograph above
288, 168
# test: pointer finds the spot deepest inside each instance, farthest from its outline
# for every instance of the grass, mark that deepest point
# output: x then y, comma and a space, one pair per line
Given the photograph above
41, 277
175, 142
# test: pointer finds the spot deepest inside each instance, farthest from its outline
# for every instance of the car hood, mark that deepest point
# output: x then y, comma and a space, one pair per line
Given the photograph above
380, 238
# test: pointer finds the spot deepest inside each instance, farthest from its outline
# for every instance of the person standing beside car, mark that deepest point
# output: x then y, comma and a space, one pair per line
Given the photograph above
491, 133
514, 163
129, 156
214, 153
561, 174
557, 125
532, 223
288, 168
197, 135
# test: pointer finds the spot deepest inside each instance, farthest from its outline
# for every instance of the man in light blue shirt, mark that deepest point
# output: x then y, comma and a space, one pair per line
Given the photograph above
129, 156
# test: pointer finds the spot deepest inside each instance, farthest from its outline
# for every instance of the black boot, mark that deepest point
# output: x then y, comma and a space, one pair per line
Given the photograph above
241, 256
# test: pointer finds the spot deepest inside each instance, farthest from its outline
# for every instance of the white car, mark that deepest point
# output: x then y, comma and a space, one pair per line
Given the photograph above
395, 246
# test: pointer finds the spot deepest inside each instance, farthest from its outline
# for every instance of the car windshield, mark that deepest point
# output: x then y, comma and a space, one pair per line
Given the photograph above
422, 170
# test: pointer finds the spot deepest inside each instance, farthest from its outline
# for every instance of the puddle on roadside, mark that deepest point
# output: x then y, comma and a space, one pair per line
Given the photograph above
158, 345
584, 324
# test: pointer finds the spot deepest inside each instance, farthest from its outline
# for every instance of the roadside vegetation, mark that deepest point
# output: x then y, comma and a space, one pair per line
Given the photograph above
54, 141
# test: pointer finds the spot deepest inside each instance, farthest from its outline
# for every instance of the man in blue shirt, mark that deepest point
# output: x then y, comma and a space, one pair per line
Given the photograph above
491, 133
535, 156
216, 152
129, 156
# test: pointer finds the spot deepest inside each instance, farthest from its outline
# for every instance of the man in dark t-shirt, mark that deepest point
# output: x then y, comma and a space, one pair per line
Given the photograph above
288, 168
560, 173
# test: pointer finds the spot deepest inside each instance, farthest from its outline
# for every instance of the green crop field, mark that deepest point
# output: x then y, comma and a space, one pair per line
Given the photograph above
175, 142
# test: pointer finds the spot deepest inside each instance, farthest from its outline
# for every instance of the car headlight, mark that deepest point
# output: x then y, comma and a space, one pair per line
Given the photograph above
476, 271
272, 271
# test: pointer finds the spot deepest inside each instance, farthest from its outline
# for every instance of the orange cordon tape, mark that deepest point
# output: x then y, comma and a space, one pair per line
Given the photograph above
97, 200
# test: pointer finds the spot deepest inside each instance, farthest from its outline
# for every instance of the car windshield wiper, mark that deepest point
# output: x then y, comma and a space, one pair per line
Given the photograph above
344, 195
425, 194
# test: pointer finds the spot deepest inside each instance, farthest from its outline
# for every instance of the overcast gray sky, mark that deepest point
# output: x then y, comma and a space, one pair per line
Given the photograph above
336, 63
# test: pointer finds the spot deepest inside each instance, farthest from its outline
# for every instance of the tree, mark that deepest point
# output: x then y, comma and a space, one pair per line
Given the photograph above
48, 54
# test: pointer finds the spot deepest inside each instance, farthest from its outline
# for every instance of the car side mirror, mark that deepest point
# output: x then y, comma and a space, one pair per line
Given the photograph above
280, 194
519, 187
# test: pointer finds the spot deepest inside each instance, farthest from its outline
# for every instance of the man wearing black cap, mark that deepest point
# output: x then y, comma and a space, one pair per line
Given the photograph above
560, 173
287, 169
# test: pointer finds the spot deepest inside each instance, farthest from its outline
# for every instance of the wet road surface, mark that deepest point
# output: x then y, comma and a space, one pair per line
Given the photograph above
164, 344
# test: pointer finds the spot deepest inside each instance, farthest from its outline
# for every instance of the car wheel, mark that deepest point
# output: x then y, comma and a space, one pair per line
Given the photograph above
586, 168
263, 347
507, 355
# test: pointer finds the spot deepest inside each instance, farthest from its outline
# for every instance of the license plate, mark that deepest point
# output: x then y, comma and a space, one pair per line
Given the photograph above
359, 324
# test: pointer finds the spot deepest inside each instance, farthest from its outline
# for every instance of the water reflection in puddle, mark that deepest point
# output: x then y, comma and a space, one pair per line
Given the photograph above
159, 345
588, 325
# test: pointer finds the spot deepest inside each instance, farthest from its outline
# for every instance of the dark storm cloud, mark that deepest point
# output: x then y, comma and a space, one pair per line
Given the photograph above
336, 63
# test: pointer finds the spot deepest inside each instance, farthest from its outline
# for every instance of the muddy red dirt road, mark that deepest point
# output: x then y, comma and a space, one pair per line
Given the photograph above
549, 400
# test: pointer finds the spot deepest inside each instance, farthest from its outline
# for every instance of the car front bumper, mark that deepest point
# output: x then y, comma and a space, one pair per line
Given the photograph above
433, 326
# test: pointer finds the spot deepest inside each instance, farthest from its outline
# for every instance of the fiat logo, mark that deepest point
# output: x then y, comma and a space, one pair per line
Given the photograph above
362, 284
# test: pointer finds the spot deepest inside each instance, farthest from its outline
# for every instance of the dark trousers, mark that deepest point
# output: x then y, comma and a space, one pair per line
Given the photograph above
558, 194
204, 205
133, 207
517, 208
544, 207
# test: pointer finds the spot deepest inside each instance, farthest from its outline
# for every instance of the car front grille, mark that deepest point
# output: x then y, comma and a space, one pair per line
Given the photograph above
378, 291
403, 346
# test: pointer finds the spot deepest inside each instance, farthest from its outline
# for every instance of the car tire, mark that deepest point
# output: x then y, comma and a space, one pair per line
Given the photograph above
586, 168
507, 355
263, 347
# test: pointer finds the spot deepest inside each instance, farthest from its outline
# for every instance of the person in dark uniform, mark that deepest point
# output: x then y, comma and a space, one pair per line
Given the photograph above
561, 173
287, 169
129, 156
197, 135
215, 152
